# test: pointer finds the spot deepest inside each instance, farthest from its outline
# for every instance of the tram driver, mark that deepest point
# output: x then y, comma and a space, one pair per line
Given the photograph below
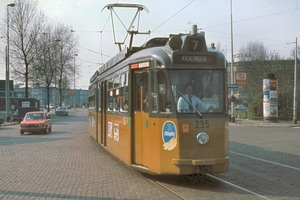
194, 102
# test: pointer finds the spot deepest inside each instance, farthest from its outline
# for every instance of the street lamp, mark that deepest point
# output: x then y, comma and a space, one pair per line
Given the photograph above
74, 81
7, 68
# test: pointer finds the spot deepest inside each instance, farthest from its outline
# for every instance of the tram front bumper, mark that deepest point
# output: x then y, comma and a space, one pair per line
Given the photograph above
216, 161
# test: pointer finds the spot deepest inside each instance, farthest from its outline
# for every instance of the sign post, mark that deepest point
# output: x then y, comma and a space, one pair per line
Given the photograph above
233, 87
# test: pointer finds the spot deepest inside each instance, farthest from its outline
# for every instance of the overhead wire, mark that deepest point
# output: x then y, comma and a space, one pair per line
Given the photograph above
172, 16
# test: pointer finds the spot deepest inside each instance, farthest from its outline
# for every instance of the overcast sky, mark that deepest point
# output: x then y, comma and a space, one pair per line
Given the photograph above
275, 23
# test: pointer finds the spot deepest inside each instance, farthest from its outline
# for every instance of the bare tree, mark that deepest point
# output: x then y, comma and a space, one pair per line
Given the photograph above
293, 51
66, 66
26, 25
44, 67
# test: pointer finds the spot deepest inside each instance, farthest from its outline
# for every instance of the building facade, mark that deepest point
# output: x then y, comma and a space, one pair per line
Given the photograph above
40, 93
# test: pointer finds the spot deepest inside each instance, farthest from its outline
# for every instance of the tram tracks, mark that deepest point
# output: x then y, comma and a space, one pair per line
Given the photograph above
236, 186
266, 178
192, 187
248, 177
258, 168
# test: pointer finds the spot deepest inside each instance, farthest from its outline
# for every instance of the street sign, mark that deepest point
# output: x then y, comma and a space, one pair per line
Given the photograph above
233, 87
241, 78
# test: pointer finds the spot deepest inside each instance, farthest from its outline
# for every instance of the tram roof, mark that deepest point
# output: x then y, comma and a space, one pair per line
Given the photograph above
157, 42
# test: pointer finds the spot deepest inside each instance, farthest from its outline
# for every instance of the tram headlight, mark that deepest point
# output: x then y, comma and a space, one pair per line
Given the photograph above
175, 42
202, 138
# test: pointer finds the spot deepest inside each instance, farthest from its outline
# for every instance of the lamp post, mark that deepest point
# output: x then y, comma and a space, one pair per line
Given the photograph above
74, 82
7, 69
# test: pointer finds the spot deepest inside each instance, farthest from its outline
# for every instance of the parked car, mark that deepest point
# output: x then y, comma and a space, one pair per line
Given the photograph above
61, 111
36, 121
241, 107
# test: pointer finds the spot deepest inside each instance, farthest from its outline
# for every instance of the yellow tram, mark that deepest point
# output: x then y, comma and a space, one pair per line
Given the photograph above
162, 108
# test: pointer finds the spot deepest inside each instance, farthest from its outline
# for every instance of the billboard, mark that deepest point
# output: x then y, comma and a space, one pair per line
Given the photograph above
270, 98
241, 78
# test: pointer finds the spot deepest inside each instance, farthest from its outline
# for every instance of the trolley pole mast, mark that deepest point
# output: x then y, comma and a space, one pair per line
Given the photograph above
295, 88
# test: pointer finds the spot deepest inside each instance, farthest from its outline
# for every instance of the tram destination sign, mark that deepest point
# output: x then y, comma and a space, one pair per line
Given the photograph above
194, 59
233, 87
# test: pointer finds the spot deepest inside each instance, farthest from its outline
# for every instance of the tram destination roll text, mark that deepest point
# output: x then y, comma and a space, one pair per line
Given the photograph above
194, 59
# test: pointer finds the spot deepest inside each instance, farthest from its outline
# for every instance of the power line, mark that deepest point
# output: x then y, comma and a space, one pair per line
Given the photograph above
94, 51
242, 20
246, 36
173, 16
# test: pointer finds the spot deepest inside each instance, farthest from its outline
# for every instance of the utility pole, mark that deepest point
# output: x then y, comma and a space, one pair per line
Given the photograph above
74, 82
231, 67
295, 88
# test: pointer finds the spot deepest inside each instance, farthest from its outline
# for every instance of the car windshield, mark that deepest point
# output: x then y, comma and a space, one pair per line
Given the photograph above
33, 116
198, 90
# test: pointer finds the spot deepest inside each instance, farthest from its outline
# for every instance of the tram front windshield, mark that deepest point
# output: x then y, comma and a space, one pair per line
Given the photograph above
192, 91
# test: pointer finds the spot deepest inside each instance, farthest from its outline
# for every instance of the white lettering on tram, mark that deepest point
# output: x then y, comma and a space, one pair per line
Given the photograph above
169, 133
194, 58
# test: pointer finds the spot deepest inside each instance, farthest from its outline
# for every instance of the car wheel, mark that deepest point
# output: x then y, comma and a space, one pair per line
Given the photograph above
22, 132
50, 129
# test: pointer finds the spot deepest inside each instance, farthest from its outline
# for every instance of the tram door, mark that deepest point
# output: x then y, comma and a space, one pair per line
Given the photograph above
140, 118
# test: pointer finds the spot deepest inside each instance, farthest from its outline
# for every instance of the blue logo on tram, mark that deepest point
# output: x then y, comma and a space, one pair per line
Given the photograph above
169, 135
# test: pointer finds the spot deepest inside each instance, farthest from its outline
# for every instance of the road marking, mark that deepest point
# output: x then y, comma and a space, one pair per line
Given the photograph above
275, 163
241, 188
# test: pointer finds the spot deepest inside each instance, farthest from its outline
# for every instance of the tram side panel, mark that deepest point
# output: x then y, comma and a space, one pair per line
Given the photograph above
162, 153
92, 126
119, 137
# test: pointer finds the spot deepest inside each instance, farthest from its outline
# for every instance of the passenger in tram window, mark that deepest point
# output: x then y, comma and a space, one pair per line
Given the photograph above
189, 102
125, 105
146, 103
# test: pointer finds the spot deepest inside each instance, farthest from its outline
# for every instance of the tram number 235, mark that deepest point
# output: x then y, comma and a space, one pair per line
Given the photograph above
202, 124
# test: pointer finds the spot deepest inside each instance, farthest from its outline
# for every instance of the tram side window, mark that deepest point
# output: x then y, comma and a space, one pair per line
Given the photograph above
91, 101
116, 100
165, 103
116, 81
153, 92
124, 99
110, 100
145, 93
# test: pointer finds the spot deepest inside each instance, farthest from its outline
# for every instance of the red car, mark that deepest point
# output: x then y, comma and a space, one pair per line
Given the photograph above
36, 121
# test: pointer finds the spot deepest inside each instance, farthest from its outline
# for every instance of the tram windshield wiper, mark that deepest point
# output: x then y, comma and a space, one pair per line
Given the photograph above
194, 107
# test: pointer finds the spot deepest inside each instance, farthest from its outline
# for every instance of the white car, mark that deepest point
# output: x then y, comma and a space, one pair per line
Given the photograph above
51, 106
241, 107
44, 110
